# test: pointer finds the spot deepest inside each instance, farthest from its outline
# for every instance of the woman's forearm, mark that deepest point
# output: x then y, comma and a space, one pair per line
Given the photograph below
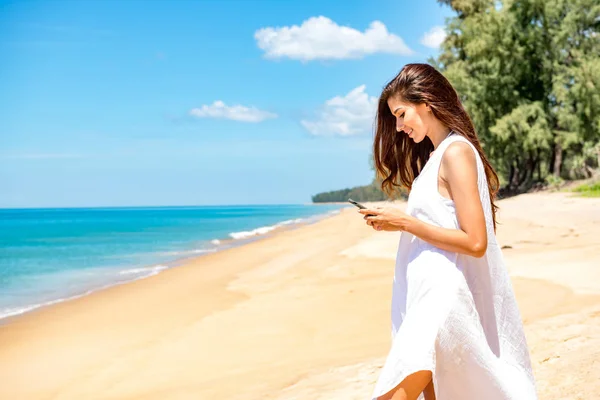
454, 240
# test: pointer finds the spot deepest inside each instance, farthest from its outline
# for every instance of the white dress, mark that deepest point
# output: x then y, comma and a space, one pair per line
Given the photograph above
453, 314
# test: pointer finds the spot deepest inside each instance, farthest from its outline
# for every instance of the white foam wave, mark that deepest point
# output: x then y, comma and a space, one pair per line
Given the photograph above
264, 229
291, 221
9, 312
215, 241
179, 253
254, 232
13, 311
148, 270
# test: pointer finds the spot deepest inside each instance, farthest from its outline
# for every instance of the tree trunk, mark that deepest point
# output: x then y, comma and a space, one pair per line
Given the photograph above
558, 155
538, 162
511, 175
514, 183
532, 168
522, 176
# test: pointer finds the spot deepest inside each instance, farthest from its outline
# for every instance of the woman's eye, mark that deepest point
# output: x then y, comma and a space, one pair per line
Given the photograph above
401, 116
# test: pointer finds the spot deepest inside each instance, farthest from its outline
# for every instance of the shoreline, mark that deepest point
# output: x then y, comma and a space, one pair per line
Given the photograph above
156, 268
300, 314
114, 323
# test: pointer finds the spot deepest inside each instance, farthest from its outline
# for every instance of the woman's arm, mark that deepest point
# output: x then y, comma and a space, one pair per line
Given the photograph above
459, 168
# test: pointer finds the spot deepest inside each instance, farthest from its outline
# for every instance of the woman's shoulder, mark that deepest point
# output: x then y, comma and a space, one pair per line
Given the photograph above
460, 151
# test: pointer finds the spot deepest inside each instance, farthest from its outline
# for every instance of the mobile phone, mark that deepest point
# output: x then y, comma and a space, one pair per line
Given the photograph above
357, 204
362, 207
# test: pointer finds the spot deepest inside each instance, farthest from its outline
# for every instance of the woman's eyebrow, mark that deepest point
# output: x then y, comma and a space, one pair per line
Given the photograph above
397, 109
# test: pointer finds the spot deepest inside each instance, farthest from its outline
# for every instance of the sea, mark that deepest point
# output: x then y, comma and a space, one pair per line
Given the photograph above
52, 255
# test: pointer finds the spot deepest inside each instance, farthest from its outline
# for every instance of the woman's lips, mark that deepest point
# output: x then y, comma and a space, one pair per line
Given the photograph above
409, 133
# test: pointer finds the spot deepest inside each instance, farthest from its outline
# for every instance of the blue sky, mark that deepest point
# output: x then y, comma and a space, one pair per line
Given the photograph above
193, 103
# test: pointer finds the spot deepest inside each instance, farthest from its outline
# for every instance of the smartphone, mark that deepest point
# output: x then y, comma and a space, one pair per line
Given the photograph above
357, 204
362, 207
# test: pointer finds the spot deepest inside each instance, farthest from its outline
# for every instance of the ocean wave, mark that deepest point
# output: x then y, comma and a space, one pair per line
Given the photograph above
145, 273
264, 229
254, 232
12, 311
157, 253
147, 270
184, 252
291, 221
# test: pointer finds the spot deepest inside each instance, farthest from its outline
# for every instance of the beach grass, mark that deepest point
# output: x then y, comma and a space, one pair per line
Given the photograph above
588, 190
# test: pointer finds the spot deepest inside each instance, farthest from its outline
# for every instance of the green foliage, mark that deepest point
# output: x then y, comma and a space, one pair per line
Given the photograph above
370, 192
589, 190
523, 133
580, 165
554, 182
528, 72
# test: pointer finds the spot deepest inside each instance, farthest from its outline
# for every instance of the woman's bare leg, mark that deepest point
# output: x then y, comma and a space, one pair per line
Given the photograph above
429, 392
411, 387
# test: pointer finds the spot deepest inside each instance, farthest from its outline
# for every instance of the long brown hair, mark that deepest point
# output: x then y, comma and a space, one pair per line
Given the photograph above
398, 160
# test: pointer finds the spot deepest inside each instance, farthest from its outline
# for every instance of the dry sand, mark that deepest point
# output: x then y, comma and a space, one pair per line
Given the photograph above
302, 314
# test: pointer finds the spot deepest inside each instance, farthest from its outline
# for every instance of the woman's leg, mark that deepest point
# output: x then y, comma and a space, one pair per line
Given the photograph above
429, 392
411, 387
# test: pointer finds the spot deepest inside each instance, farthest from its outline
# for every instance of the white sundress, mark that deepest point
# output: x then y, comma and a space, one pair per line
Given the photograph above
453, 314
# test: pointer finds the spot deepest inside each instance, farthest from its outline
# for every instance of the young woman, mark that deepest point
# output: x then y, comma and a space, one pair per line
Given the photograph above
456, 328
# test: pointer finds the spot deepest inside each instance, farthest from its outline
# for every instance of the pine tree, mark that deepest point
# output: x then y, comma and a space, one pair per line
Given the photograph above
528, 72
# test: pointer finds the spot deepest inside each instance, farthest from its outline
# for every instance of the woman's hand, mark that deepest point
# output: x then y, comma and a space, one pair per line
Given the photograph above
386, 218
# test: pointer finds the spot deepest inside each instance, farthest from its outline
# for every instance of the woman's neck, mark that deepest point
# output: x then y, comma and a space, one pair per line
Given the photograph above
438, 134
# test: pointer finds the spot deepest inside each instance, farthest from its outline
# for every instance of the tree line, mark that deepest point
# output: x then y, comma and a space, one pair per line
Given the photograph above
528, 73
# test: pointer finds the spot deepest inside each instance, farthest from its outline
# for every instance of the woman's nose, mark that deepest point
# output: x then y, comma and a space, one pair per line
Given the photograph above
399, 126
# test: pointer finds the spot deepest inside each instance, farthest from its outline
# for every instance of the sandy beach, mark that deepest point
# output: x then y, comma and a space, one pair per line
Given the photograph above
302, 314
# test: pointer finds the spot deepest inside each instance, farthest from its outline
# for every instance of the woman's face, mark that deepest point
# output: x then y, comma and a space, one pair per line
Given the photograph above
411, 119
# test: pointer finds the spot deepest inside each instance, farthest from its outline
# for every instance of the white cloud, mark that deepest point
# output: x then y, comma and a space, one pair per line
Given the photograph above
321, 38
434, 37
218, 109
352, 114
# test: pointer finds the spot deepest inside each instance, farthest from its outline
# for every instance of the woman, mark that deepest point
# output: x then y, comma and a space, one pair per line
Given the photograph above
456, 329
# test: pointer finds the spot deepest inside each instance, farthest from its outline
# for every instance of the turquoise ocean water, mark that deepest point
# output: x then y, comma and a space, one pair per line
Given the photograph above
49, 255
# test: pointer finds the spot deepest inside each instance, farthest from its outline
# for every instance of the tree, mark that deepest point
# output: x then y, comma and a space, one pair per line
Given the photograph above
528, 72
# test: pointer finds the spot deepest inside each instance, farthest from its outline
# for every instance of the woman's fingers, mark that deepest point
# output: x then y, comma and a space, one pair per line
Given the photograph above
375, 225
371, 217
371, 211
373, 222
